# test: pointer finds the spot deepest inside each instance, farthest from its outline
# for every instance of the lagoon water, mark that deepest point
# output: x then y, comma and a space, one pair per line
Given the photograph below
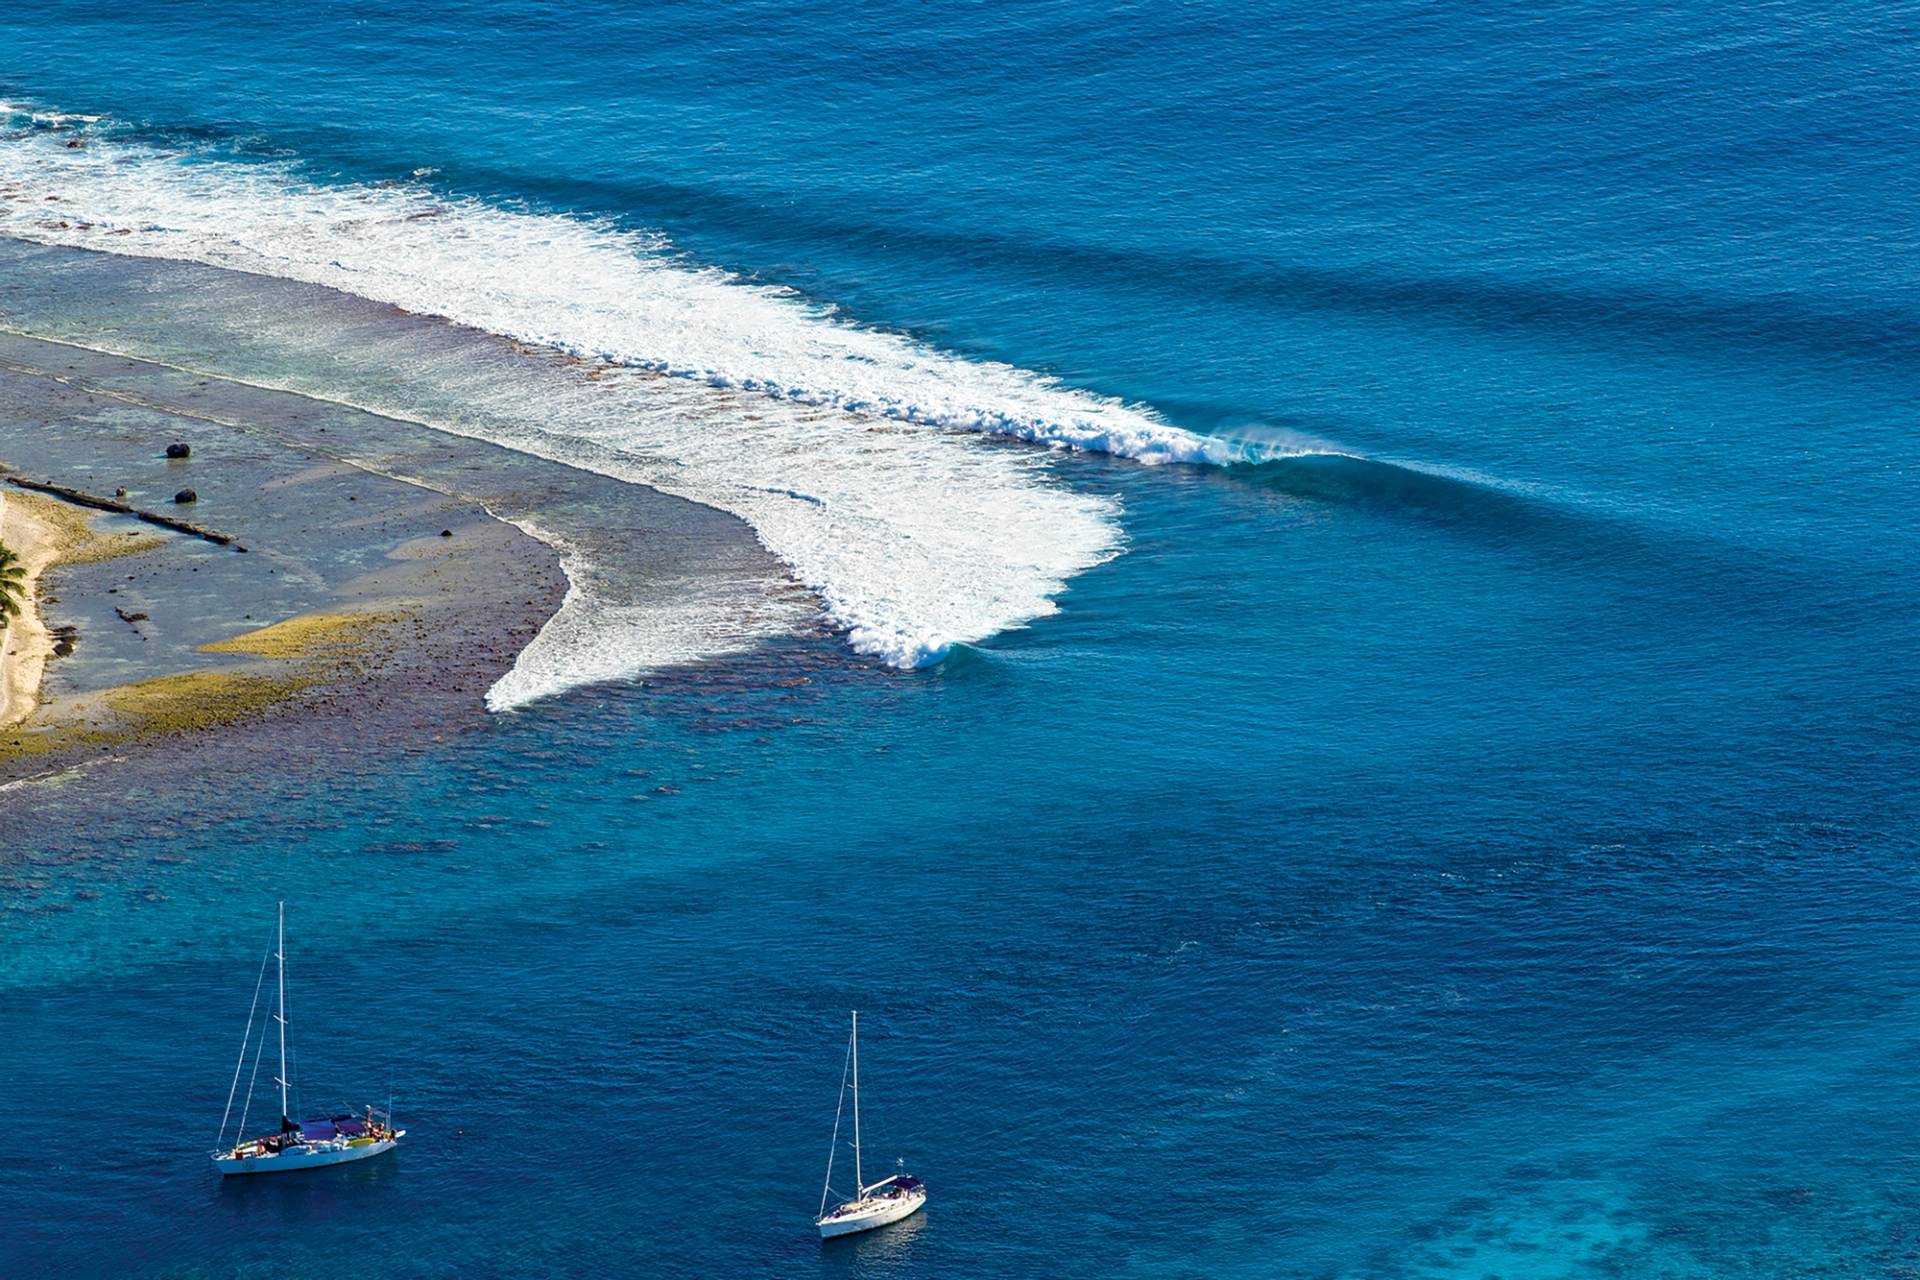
1367, 718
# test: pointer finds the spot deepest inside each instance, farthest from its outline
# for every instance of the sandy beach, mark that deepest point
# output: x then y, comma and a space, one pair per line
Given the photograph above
26, 643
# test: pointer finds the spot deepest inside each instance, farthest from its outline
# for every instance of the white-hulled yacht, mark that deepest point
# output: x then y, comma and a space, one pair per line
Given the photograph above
312, 1144
873, 1204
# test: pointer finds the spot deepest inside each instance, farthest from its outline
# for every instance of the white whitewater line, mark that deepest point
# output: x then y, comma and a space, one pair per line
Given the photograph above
812, 430
42, 116
580, 287
591, 639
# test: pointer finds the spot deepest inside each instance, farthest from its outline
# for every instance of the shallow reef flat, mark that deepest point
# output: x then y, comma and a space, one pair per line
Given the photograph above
338, 591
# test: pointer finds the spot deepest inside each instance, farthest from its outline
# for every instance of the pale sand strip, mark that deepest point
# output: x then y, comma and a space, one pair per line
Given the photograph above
25, 644
41, 530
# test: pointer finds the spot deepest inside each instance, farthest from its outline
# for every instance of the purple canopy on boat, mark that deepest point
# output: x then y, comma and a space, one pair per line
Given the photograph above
350, 1128
317, 1131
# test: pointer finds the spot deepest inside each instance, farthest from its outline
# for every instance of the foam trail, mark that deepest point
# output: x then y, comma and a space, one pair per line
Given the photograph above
597, 635
44, 118
812, 430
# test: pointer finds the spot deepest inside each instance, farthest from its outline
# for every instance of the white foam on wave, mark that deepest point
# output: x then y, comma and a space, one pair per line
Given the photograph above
913, 540
597, 635
814, 431
577, 286
42, 116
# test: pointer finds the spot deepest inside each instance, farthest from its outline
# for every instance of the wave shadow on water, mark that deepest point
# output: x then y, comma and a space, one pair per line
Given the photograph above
1696, 569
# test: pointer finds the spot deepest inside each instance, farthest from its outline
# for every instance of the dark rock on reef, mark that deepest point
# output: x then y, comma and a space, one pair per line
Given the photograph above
179, 449
446, 533
119, 493
62, 648
185, 496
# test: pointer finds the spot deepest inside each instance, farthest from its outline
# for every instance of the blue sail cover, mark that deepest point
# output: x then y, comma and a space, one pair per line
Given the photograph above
317, 1131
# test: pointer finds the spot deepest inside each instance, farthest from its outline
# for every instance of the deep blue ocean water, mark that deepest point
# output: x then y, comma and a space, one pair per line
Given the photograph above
1478, 840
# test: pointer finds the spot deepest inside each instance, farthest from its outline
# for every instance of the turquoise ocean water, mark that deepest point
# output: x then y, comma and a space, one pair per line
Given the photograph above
1367, 721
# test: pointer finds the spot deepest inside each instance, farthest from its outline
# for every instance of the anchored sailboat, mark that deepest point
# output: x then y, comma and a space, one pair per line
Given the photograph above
334, 1139
873, 1204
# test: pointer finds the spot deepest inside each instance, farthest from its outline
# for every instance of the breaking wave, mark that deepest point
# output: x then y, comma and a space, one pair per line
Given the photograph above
854, 454
582, 287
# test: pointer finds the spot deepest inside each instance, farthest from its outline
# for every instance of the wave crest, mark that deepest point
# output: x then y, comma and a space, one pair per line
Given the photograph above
582, 287
813, 430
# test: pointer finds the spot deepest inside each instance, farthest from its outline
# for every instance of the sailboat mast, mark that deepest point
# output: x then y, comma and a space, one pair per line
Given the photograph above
859, 1179
280, 954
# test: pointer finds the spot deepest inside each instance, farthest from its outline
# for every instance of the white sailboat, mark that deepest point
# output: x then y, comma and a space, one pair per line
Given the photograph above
312, 1144
874, 1204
